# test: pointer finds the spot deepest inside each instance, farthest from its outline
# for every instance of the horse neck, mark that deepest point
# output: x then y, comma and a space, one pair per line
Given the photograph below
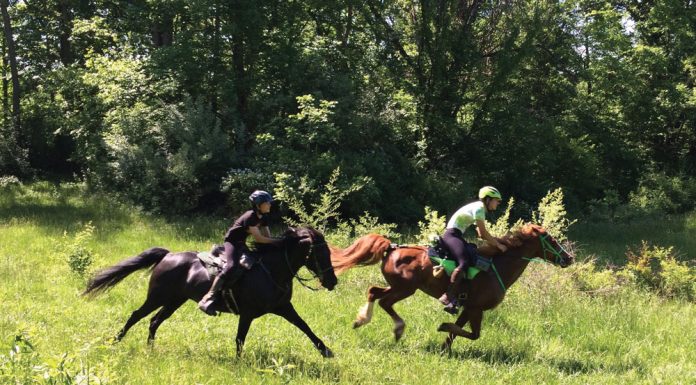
293, 259
510, 266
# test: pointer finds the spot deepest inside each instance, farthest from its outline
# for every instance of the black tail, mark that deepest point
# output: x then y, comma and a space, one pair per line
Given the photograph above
110, 276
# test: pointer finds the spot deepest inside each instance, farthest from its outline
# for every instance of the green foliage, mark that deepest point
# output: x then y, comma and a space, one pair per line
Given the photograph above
657, 268
7, 181
323, 207
432, 226
24, 365
348, 230
75, 251
502, 224
659, 194
551, 214
239, 183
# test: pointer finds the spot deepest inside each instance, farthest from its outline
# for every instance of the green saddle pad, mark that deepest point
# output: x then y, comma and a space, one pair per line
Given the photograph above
450, 265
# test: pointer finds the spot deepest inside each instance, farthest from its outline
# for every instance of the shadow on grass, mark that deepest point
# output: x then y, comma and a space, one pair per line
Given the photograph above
275, 363
503, 355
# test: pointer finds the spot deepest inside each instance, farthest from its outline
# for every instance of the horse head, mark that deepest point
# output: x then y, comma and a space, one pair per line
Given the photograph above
316, 252
538, 243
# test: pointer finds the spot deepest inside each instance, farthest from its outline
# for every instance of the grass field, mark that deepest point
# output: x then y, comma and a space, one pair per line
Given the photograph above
545, 332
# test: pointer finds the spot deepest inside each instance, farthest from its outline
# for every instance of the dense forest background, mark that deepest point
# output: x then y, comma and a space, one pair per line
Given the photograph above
186, 106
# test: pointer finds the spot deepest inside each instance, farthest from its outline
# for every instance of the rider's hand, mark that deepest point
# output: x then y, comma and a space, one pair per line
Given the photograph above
502, 247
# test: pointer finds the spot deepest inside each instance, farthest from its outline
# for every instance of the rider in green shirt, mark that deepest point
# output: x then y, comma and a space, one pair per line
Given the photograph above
472, 214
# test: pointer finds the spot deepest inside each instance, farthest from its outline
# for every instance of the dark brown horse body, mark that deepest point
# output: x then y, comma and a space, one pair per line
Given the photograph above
408, 269
266, 288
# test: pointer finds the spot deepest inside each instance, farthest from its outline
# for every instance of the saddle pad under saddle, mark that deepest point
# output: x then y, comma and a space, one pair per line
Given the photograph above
212, 263
449, 265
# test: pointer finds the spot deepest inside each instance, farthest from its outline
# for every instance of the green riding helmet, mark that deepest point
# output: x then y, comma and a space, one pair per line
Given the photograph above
490, 192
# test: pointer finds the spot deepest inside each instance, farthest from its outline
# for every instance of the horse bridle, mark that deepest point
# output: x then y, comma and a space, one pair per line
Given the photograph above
546, 247
316, 262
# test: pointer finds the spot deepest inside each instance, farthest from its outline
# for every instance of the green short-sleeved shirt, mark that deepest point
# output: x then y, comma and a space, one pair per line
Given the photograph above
467, 216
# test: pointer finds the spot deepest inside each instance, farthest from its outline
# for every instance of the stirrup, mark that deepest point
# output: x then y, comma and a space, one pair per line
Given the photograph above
207, 306
451, 308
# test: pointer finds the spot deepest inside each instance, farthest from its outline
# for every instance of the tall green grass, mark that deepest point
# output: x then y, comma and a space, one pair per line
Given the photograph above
545, 332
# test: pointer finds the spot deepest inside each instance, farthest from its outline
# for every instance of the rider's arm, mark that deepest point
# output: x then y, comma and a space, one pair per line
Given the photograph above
264, 230
259, 237
485, 235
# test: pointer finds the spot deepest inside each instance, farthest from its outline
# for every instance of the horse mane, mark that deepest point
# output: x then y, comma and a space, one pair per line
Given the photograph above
513, 240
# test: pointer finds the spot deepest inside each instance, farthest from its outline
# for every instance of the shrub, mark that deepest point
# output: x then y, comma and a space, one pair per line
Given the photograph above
239, 183
433, 225
658, 269
347, 231
321, 209
502, 224
78, 256
552, 215
658, 192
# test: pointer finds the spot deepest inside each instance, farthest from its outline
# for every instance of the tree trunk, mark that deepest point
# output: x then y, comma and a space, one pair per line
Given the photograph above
162, 30
65, 30
5, 87
12, 57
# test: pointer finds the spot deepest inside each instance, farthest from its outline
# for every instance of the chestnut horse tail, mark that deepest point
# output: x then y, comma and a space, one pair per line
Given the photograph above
367, 250
110, 276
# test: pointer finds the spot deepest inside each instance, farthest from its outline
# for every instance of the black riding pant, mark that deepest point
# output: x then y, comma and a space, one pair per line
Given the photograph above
454, 242
232, 253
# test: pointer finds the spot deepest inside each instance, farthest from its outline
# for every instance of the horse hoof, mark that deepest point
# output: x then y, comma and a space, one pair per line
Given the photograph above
398, 332
358, 323
445, 327
327, 353
445, 348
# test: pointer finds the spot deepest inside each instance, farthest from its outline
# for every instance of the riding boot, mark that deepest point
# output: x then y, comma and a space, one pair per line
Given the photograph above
454, 290
207, 301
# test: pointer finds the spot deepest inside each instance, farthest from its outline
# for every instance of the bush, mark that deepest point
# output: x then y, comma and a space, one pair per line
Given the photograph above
433, 225
309, 207
78, 256
657, 268
347, 231
239, 183
660, 193
551, 214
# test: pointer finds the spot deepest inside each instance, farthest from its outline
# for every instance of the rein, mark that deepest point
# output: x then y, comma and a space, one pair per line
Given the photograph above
546, 247
295, 274
316, 262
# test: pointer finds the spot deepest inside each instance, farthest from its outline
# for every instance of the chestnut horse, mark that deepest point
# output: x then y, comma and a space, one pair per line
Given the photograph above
408, 268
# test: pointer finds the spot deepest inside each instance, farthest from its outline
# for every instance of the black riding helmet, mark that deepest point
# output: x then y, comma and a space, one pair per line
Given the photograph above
258, 197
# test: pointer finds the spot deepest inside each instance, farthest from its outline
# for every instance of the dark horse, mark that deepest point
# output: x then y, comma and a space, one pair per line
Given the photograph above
266, 288
408, 269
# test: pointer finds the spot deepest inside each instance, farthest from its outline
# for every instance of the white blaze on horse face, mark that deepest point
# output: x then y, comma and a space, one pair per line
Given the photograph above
364, 315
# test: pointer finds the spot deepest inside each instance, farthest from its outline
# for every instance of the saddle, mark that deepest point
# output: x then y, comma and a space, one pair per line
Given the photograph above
214, 263
444, 262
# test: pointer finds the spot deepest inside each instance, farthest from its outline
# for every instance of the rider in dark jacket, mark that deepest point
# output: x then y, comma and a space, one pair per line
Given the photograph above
253, 222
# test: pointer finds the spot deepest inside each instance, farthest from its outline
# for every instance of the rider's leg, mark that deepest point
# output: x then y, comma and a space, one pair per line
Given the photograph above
452, 238
219, 281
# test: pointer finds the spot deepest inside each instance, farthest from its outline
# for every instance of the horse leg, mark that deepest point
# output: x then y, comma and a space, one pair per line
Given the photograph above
387, 302
461, 321
365, 313
475, 318
290, 314
165, 312
148, 307
242, 330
